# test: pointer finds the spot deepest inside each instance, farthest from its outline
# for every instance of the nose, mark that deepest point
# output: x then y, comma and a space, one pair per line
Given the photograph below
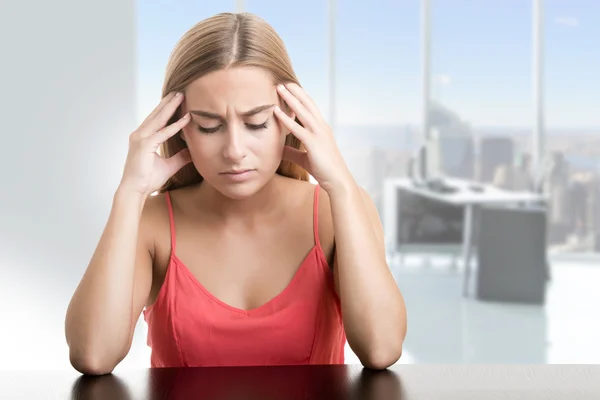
234, 149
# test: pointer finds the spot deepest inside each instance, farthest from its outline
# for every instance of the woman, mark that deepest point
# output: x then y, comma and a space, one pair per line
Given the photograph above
238, 260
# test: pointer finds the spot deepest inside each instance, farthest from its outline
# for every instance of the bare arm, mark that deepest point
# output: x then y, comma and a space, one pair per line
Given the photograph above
103, 312
373, 308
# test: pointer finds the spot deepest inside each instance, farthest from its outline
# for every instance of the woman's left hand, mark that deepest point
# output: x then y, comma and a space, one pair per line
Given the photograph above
322, 158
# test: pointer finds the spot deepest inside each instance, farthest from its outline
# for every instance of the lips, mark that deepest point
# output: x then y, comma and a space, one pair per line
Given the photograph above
236, 171
238, 175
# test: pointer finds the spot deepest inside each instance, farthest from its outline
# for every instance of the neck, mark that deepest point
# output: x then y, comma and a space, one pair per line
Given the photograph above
261, 205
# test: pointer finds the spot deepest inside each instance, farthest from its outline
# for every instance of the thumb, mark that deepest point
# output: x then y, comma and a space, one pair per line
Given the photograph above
296, 156
179, 160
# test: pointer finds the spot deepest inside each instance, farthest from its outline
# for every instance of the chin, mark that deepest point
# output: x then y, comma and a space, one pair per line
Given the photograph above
239, 190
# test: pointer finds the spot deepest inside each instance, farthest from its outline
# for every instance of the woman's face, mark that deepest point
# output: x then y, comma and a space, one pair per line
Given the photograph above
235, 141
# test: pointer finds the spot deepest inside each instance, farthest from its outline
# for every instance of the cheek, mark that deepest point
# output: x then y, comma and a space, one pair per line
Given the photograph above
269, 143
202, 149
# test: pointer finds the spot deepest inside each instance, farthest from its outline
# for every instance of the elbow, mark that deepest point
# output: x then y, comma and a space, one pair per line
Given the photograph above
91, 365
384, 354
383, 359
94, 359
384, 351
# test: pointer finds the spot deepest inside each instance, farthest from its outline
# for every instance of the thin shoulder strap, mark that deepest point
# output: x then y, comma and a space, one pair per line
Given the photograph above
316, 216
171, 221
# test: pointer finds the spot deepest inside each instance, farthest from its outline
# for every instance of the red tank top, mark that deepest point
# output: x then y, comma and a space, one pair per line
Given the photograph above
188, 326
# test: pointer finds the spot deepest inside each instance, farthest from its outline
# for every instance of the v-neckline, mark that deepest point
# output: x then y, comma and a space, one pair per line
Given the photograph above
176, 260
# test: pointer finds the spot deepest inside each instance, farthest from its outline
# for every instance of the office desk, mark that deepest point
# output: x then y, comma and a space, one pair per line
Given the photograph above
406, 382
464, 196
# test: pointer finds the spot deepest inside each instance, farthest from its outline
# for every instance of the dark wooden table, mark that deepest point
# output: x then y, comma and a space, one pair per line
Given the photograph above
406, 382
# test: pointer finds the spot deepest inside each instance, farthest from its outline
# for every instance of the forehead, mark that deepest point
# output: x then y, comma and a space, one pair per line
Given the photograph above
240, 86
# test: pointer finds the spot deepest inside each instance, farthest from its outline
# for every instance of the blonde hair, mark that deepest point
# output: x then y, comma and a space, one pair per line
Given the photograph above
222, 41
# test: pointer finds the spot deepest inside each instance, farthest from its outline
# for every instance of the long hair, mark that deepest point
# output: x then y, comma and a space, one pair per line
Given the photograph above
226, 40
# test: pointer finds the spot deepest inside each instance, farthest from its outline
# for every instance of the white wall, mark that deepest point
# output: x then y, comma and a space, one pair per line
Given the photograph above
67, 78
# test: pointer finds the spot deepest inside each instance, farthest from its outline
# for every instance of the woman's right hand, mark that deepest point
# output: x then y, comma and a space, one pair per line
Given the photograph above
145, 171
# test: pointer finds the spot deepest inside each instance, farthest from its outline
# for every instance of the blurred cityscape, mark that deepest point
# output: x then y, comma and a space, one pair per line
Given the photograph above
498, 156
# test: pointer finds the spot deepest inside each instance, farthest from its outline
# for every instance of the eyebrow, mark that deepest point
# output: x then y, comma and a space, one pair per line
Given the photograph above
248, 113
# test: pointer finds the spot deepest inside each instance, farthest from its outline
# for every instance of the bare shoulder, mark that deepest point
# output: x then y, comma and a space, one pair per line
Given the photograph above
155, 210
305, 191
154, 223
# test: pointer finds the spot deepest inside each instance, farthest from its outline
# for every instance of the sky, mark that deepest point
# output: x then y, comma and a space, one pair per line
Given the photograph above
481, 60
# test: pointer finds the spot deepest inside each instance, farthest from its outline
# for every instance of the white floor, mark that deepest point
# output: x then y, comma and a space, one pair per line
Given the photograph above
445, 327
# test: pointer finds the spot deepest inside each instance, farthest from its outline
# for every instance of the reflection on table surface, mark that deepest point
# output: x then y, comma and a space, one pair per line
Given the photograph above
294, 382
407, 382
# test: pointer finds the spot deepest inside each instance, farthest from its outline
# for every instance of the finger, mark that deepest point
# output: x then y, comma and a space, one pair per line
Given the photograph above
296, 156
305, 99
158, 108
169, 131
163, 116
303, 114
179, 160
293, 126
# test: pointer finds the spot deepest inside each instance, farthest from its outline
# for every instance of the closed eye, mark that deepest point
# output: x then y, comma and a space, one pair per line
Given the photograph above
209, 130
252, 127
